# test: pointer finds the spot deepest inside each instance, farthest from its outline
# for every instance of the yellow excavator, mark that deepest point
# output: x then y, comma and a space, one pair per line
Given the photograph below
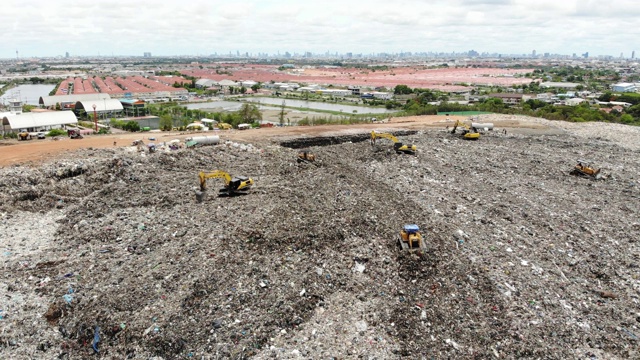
466, 131
397, 145
410, 238
232, 186
584, 169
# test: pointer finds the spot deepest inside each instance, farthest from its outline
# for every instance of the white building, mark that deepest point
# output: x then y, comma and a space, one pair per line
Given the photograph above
205, 83
37, 121
336, 92
382, 95
574, 101
248, 83
624, 87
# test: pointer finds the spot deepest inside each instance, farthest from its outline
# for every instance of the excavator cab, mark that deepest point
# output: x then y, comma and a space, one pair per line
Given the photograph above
410, 238
237, 183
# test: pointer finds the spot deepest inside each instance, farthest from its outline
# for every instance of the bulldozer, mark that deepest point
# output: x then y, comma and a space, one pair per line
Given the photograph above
306, 156
398, 147
584, 169
465, 131
232, 185
410, 238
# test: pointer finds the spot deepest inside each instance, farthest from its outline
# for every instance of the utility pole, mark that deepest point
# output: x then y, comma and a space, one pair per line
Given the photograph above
95, 117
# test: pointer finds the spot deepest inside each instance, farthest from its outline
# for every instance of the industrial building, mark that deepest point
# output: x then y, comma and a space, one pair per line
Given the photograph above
37, 121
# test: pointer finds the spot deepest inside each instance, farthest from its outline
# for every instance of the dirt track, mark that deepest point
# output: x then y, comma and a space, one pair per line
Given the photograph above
36, 151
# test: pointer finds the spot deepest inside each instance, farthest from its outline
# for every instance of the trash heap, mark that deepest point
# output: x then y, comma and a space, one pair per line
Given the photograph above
108, 253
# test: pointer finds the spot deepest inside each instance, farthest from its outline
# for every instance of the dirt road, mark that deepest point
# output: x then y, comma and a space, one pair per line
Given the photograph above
34, 151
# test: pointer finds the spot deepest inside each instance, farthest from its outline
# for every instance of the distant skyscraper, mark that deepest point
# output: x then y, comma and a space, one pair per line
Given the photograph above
147, 54
66, 54
633, 54
533, 53
585, 55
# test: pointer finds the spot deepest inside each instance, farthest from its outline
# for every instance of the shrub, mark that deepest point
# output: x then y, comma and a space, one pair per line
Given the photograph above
56, 132
131, 126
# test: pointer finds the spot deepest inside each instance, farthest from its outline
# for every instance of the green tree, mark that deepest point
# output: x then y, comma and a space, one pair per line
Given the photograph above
626, 119
243, 90
255, 87
249, 113
402, 90
131, 126
166, 124
607, 96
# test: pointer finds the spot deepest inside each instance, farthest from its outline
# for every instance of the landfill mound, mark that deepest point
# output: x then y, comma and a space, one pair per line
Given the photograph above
107, 253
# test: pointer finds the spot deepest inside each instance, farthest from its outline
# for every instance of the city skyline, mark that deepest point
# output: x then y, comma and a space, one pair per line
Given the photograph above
36, 28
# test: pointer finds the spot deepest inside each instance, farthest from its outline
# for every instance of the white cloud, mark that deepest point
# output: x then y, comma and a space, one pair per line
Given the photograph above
52, 27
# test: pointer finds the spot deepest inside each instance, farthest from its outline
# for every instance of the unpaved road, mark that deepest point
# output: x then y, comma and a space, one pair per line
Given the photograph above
35, 151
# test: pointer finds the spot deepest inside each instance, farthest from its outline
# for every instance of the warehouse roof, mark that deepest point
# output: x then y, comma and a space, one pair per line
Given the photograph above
39, 119
106, 105
55, 99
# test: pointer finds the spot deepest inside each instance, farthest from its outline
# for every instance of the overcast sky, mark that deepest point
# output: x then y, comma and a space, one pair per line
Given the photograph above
39, 28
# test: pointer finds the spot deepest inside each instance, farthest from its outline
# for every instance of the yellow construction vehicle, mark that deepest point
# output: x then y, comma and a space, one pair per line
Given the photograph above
224, 126
24, 135
397, 145
231, 185
465, 131
410, 238
306, 156
584, 169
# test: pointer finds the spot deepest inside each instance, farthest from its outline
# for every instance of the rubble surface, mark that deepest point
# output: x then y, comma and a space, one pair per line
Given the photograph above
106, 252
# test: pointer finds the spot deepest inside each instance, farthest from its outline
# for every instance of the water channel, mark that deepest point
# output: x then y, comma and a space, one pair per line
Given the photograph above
265, 103
29, 94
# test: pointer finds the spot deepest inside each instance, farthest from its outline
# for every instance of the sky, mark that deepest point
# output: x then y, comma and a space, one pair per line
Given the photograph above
45, 28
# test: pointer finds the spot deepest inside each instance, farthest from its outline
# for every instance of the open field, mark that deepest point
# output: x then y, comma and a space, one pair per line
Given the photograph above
106, 251
444, 79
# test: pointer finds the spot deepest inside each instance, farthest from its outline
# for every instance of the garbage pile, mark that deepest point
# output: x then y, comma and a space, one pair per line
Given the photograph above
108, 253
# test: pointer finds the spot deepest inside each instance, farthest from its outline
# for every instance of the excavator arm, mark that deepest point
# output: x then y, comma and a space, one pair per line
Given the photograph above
215, 174
397, 145
375, 135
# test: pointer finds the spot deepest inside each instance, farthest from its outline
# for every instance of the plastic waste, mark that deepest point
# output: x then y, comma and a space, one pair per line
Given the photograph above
96, 339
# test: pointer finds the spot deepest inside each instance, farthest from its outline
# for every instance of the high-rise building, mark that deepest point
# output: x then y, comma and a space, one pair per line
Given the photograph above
533, 53
633, 54
66, 54
147, 54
